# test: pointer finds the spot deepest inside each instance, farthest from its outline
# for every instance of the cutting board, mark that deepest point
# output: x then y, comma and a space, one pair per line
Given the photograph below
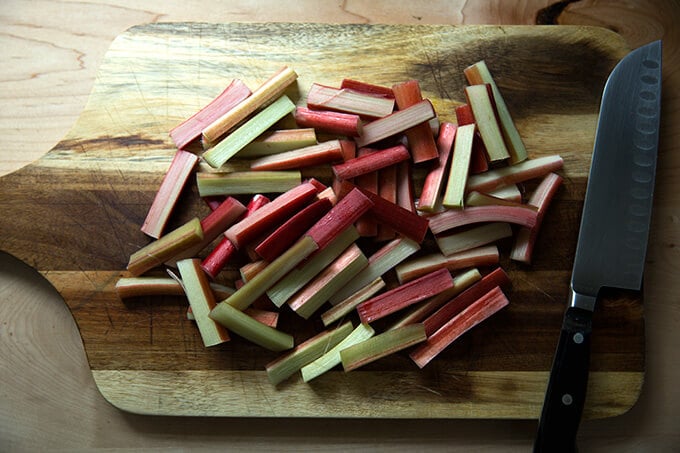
75, 214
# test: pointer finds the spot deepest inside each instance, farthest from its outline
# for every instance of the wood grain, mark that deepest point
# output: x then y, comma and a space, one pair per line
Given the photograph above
50, 399
96, 185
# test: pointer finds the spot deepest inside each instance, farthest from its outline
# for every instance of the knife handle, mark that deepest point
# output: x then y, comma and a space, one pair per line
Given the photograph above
567, 385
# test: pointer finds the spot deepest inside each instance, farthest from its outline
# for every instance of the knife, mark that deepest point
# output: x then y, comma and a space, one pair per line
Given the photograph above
612, 240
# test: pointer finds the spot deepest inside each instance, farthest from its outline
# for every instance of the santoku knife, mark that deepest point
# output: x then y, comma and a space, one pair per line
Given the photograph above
612, 240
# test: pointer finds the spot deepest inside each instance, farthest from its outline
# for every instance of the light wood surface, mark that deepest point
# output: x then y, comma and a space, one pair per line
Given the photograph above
48, 395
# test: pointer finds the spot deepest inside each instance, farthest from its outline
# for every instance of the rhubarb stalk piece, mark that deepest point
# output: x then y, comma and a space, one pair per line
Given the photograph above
263, 95
387, 190
434, 181
481, 256
285, 235
381, 345
322, 97
249, 131
301, 275
472, 238
260, 221
347, 124
396, 123
497, 278
386, 258
190, 129
166, 247
310, 298
523, 171
483, 308
267, 277
331, 358
460, 166
479, 73
422, 310
202, 301
404, 295
485, 118
127, 287
455, 218
278, 141
525, 238
246, 182
238, 322
405, 189
367, 88
341, 216
420, 139
345, 307
321, 153
285, 366
371, 162
175, 179
366, 226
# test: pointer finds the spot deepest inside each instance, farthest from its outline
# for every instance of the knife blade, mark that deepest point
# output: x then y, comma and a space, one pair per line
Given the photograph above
614, 229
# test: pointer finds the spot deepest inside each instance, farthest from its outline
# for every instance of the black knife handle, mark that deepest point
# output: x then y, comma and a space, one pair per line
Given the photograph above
567, 385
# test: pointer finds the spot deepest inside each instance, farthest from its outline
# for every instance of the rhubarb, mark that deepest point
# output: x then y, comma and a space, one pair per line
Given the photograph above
322, 97
523, 171
347, 124
471, 238
497, 278
525, 238
420, 139
267, 277
251, 329
479, 73
331, 358
386, 258
285, 366
422, 310
310, 298
434, 181
166, 247
447, 220
190, 129
285, 235
127, 287
249, 131
477, 257
246, 182
321, 153
366, 226
202, 301
279, 209
300, 276
175, 179
345, 307
370, 162
367, 88
341, 216
404, 295
381, 345
387, 190
460, 166
278, 141
396, 123
266, 93
478, 311
485, 118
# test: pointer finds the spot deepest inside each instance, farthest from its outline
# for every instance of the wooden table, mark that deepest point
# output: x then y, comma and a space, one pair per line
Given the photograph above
48, 397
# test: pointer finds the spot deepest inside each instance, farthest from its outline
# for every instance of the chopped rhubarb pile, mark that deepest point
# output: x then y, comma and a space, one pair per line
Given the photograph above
359, 208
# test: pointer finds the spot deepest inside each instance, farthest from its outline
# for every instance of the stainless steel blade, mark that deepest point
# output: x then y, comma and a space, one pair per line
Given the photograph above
612, 240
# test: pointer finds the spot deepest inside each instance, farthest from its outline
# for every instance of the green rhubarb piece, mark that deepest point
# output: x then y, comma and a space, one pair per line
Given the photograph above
284, 367
251, 329
246, 182
300, 276
166, 247
332, 358
249, 131
259, 284
382, 345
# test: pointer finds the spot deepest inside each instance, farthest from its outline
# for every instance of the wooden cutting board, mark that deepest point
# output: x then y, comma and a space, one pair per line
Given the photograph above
75, 214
